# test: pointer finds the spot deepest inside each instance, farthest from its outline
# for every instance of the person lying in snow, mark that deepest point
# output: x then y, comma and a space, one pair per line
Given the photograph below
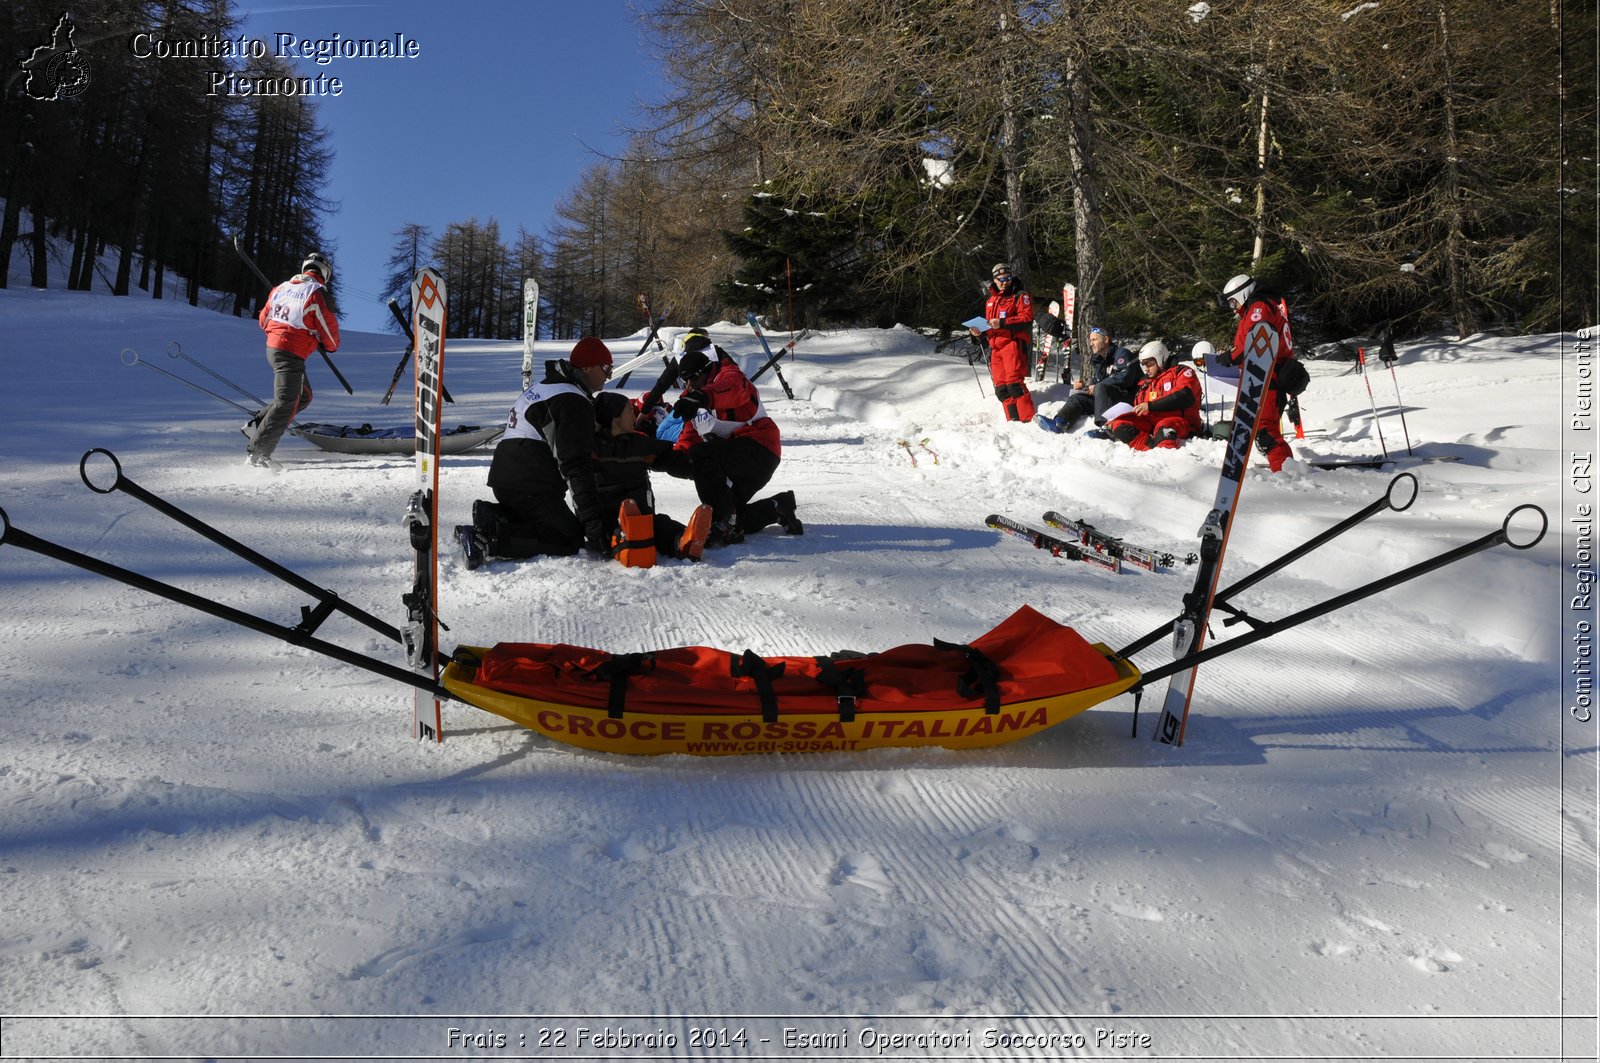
624, 458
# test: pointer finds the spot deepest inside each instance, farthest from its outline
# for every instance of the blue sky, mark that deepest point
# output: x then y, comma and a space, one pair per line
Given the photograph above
496, 117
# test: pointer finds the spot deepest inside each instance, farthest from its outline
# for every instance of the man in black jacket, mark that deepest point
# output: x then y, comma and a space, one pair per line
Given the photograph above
548, 450
1117, 375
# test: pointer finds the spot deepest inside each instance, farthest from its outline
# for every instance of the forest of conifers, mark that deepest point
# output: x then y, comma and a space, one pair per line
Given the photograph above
1426, 162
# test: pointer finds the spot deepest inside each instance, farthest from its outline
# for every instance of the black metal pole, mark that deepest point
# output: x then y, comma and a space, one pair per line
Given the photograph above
328, 599
14, 536
1388, 501
136, 360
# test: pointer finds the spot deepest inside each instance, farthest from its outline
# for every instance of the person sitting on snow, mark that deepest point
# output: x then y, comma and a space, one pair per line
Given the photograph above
1166, 410
1115, 379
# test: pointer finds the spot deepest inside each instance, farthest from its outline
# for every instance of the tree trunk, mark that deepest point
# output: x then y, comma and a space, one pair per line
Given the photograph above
1263, 140
1088, 218
1012, 156
1456, 250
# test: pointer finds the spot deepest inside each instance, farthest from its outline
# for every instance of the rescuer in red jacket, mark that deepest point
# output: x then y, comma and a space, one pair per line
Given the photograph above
1166, 410
296, 319
1271, 315
1009, 311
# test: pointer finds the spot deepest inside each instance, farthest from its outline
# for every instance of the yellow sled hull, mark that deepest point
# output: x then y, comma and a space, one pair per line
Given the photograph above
698, 733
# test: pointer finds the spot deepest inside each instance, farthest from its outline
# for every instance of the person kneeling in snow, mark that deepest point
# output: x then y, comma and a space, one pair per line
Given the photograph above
1166, 410
734, 446
547, 450
624, 457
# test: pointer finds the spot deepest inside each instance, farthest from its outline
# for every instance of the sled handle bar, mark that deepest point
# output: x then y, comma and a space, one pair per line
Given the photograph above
175, 350
327, 601
1261, 630
130, 356
296, 636
1400, 494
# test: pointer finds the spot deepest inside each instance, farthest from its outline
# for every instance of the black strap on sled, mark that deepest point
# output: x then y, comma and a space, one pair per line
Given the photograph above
846, 687
617, 669
754, 667
982, 678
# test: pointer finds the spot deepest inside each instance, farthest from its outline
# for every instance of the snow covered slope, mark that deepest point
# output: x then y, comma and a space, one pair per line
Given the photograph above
1377, 815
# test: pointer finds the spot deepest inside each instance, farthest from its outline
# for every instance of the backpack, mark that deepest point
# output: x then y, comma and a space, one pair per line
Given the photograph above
1291, 377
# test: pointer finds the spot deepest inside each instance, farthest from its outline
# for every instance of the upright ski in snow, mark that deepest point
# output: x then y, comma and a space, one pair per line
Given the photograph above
422, 513
1188, 634
530, 328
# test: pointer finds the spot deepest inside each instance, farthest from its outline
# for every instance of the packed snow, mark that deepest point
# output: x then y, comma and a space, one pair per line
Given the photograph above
1378, 839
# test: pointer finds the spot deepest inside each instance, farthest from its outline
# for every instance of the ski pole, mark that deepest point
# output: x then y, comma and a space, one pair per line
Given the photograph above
176, 351
1387, 356
1361, 358
405, 326
772, 359
652, 333
238, 247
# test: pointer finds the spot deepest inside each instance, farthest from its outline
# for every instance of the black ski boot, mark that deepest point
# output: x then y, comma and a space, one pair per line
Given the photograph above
784, 501
474, 547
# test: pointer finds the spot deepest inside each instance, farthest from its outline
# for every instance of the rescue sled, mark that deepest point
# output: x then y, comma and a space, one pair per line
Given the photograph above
1027, 674
396, 439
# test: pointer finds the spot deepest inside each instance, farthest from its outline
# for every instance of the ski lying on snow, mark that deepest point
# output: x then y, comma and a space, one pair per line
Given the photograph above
1377, 463
1189, 631
1056, 546
1112, 546
422, 512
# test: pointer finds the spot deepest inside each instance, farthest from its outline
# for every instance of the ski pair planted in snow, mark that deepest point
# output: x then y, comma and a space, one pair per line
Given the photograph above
912, 454
421, 632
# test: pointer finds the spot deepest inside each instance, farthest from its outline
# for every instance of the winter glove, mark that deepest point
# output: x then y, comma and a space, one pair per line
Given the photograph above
688, 404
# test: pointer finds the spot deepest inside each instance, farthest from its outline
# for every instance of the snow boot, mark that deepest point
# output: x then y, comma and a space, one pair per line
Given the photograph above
692, 543
473, 546
784, 501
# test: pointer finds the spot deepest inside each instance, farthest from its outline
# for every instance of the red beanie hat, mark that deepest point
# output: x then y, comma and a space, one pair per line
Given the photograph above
589, 352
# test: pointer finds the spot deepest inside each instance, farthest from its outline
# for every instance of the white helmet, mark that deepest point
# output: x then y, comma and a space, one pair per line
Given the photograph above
1157, 350
1201, 351
1236, 293
317, 261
